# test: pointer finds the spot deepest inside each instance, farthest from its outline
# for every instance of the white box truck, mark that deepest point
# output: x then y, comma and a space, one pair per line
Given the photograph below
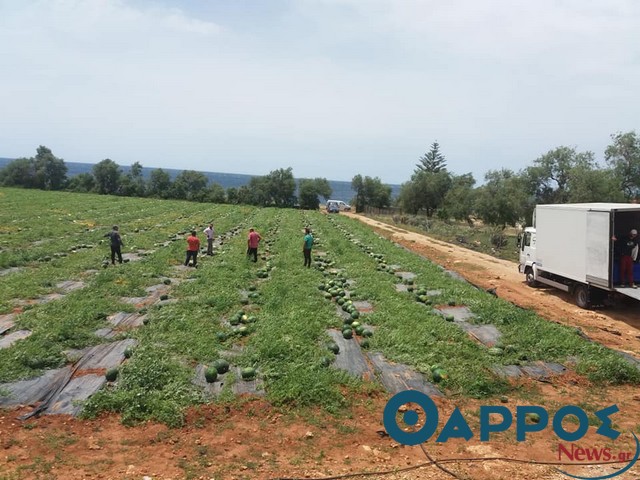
571, 247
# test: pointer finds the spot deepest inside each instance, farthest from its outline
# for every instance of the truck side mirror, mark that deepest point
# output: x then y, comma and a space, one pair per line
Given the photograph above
519, 240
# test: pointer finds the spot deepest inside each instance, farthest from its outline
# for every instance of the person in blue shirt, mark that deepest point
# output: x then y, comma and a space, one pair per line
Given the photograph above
306, 247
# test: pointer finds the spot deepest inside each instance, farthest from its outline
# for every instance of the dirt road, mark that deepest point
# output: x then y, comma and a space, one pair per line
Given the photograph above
617, 327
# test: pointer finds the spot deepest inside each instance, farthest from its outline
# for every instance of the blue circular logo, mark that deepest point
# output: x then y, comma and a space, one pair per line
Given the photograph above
410, 417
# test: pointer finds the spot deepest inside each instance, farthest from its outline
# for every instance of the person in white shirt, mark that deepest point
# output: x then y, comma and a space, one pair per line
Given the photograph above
209, 233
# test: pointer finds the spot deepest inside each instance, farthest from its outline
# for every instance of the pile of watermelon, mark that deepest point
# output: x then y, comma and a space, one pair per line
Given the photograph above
240, 317
350, 327
264, 271
334, 288
421, 295
323, 263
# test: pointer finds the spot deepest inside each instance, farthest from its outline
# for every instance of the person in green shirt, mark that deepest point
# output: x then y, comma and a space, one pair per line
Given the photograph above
306, 247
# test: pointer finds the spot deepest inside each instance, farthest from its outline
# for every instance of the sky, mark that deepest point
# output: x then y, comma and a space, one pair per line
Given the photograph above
331, 88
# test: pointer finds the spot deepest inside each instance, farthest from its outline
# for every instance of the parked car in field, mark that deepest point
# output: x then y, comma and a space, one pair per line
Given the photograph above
342, 206
332, 207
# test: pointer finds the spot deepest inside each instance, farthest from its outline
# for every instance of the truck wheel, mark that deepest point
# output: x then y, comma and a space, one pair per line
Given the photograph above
581, 294
530, 279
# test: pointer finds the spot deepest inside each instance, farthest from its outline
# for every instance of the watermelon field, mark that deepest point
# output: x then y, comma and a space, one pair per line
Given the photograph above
150, 340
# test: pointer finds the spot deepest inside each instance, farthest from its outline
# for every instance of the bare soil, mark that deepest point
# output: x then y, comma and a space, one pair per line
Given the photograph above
254, 440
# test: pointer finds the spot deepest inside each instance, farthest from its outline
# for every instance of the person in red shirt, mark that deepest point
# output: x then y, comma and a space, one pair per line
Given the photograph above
252, 244
193, 245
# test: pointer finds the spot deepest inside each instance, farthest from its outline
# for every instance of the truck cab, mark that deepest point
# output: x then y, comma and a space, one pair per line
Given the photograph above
527, 251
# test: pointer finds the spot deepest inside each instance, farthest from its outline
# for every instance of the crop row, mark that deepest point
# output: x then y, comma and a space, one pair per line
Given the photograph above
529, 337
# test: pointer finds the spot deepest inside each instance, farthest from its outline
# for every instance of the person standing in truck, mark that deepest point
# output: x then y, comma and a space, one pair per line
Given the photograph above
628, 248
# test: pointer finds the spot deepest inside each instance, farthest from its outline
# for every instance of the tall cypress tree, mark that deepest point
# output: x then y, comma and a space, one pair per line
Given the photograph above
432, 161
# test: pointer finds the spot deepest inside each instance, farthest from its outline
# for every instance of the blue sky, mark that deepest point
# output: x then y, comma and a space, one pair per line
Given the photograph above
331, 88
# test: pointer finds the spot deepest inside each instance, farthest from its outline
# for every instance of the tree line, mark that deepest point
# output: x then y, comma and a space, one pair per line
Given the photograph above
562, 175
47, 172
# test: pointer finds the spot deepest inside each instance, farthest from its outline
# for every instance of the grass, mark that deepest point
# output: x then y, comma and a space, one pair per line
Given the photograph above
287, 342
477, 237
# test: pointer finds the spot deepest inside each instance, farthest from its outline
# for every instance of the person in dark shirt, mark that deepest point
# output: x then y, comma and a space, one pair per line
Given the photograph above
193, 245
306, 247
628, 247
116, 243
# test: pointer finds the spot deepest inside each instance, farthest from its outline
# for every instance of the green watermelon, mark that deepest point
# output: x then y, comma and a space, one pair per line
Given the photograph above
347, 333
367, 333
112, 374
248, 373
211, 374
221, 365
533, 417
359, 330
495, 351
364, 343
333, 347
128, 352
439, 374
355, 314
221, 336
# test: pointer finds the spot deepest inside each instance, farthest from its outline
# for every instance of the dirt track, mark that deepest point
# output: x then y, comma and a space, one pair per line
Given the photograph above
617, 327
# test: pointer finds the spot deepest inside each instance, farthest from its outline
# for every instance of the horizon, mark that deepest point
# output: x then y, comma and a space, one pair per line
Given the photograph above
341, 189
172, 169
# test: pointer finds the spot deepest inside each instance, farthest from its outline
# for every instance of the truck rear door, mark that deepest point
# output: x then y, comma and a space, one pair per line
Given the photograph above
598, 242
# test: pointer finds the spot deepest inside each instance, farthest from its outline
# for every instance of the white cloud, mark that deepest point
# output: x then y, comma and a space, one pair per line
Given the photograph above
352, 85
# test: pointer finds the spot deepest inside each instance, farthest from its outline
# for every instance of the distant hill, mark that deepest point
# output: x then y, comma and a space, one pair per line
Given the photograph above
341, 189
